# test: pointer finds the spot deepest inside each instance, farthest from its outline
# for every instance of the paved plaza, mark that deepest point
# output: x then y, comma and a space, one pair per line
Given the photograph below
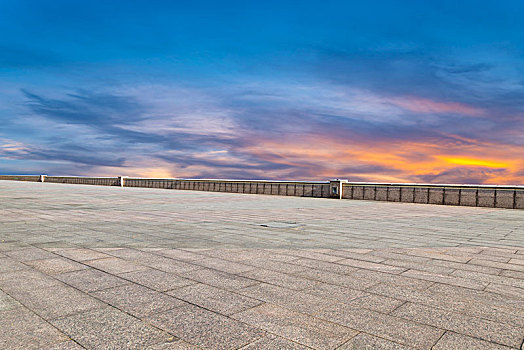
134, 268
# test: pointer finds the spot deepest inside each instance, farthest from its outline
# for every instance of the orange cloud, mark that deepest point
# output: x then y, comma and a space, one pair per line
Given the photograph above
399, 161
474, 162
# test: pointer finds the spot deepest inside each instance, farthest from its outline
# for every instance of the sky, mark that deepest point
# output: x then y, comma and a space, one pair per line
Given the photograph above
383, 91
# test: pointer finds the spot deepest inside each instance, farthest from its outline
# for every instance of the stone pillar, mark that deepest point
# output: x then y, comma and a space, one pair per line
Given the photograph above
122, 181
336, 188
42, 178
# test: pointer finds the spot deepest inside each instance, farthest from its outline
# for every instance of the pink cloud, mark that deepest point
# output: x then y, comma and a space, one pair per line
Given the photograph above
424, 105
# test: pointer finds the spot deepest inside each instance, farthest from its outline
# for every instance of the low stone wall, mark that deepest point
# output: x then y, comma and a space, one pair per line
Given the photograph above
80, 180
33, 178
511, 197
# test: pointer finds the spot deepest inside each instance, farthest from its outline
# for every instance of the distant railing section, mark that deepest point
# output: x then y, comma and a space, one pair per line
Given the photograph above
492, 196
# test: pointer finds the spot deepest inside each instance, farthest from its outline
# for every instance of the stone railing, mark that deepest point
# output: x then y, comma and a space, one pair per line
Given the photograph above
78, 180
464, 195
492, 196
281, 188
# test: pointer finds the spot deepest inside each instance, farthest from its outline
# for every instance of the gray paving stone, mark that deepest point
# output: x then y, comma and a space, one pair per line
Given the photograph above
7, 303
512, 274
223, 265
58, 301
355, 282
372, 266
462, 324
506, 290
55, 266
325, 266
271, 341
376, 277
215, 299
485, 297
205, 328
22, 329
500, 265
172, 266
352, 254
115, 265
456, 281
279, 279
91, 280
300, 328
278, 266
364, 341
179, 254
381, 325
376, 302
10, 265
81, 254
158, 280
219, 279
137, 300
454, 341
110, 328
312, 254
339, 293
427, 267
13, 282
173, 345
67, 345
489, 278
458, 300
28, 254
287, 298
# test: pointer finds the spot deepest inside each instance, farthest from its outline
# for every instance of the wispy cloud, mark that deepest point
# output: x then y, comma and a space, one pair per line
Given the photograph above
272, 131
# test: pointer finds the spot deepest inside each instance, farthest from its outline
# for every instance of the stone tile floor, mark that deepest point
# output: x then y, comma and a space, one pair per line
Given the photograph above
129, 268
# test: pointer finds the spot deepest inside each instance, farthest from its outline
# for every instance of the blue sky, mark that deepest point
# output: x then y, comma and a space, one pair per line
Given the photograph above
376, 91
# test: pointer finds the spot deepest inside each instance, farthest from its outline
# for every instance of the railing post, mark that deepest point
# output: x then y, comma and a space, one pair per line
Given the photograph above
336, 188
122, 181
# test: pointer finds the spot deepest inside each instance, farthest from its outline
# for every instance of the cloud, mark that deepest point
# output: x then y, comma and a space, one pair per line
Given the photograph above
279, 130
427, 106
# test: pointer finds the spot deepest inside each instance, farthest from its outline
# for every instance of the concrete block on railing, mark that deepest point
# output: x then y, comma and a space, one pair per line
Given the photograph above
421, 195
505, 198
369, 193
436, 195
381, 193
325, 191
299, 190
519, 199
358, 192
394, 193
468, 197
41, 178
282, 189
486, 198
452, 196
317, 190
407, 194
